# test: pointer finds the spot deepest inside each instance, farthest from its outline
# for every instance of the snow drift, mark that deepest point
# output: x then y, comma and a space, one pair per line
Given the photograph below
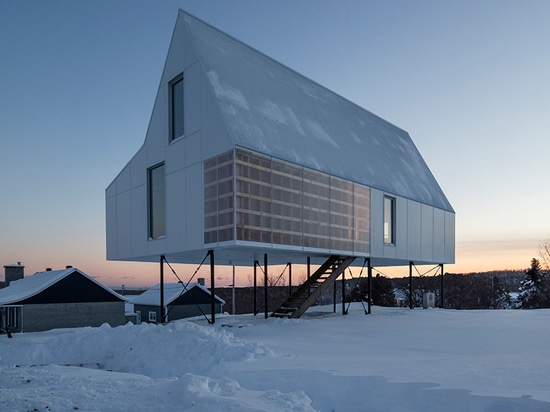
394, 359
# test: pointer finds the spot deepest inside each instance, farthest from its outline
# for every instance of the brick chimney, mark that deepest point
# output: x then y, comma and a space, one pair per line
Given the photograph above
13, 272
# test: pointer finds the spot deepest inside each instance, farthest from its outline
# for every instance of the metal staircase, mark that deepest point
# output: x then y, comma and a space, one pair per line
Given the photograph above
312, 288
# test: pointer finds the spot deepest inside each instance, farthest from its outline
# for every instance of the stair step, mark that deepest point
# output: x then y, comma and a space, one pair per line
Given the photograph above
294, 306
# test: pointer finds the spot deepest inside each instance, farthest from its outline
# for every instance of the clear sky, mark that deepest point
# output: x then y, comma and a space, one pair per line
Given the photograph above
469, 80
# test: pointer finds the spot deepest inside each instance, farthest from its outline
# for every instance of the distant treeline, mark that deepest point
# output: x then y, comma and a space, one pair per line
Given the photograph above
477, 290
498, 289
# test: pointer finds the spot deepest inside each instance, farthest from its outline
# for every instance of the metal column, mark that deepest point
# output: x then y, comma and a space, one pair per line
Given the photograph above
411, 285
265, 285
334, 298
289, 278
308, 272
233, 293
369, 286
441, 294
256, 263
162, 311
212, 288
344, 292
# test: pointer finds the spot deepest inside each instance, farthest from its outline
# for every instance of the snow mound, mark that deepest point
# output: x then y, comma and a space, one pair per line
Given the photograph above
156, 351
392, 360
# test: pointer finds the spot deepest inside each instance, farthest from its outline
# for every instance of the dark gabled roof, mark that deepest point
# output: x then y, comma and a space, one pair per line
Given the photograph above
271, 109
29, 287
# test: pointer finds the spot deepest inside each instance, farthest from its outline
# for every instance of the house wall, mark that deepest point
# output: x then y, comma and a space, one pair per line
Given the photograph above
144, 312
205, 136
423, 233
187, 311
177, 311
42, 317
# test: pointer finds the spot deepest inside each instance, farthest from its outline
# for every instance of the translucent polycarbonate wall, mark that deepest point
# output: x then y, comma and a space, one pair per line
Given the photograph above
284, 204
218, 199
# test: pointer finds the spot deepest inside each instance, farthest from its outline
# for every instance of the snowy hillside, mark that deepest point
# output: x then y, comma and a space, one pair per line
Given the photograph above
392, 360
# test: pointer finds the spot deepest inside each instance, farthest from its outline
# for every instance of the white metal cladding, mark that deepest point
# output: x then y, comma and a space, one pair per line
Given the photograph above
271, 109
424, 234
237, 98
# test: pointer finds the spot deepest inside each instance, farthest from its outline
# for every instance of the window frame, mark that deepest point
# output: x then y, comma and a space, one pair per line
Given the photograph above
152, 229
152, 316
174, 134
389, 221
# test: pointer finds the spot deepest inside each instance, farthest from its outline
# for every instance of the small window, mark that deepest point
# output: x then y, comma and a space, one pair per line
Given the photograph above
152, 316
389, 220
157, 205
176, 107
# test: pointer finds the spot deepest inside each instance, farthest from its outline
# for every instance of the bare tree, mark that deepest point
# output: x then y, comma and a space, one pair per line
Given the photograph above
302, 278
273, 280
544, 253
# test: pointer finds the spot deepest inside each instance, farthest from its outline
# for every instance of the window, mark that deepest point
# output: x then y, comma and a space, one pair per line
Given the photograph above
152, 316
176, 107
389, 220
157, 206
10, 316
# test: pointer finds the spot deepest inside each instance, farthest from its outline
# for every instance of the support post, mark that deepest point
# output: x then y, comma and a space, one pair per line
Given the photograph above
162, 311
308, 272
334, 298
212, 289
289, 279
265, 285
233, 292
369, 287
344, 293
441, 292
411, 285
256, 263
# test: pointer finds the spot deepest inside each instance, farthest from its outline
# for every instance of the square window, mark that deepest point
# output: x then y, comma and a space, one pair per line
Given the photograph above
176, 107
389, 220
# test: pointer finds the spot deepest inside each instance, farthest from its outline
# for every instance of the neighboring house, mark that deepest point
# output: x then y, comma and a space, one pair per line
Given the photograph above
59, 299
247, 160
180, 302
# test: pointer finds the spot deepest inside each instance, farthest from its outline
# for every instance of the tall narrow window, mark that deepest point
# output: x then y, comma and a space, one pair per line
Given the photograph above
176, 107
157, 196
389, 220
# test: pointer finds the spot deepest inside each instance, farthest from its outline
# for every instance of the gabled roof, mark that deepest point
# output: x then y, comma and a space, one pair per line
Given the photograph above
172, 291
32, 285
273, 110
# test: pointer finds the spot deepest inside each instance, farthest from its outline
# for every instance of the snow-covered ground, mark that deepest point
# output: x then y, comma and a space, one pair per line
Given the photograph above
392, 360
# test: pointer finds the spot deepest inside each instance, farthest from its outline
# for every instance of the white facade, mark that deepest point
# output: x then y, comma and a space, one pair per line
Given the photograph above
239, 101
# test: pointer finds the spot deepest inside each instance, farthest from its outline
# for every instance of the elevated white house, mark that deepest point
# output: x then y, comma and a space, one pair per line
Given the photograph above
246, 158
